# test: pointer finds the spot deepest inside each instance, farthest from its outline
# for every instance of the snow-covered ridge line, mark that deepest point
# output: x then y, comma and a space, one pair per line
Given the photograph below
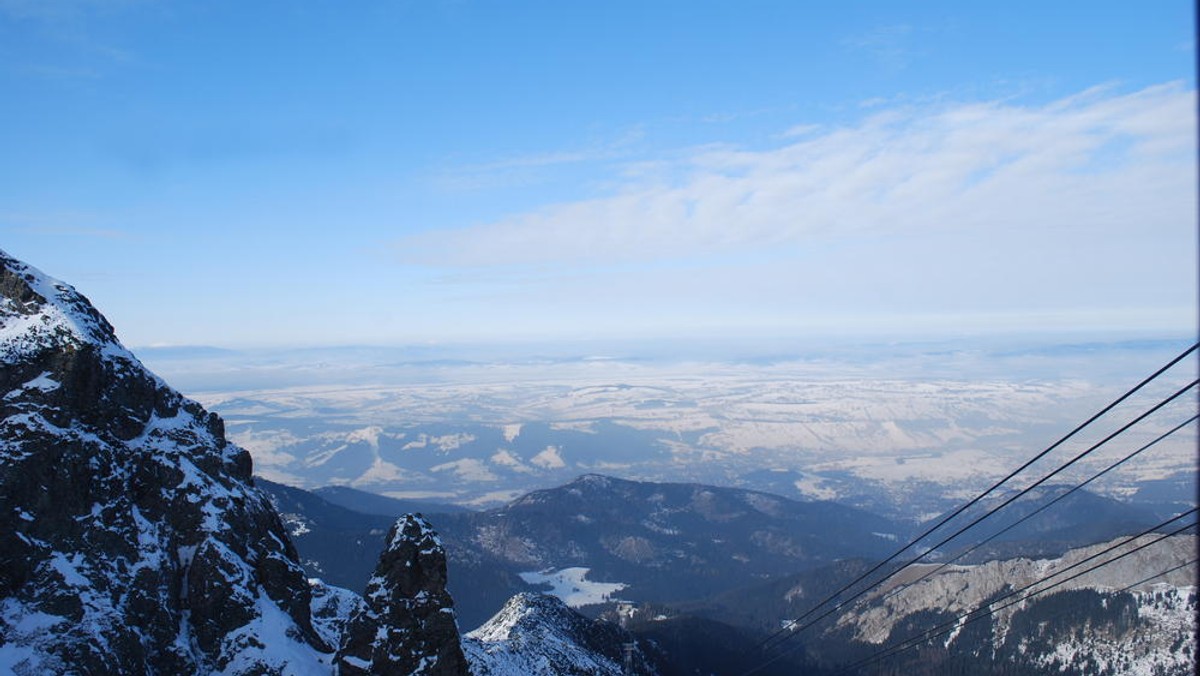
961, 588
49, 308
49, 312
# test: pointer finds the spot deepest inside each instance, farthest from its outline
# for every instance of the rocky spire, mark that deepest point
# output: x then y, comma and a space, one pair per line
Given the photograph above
407, 624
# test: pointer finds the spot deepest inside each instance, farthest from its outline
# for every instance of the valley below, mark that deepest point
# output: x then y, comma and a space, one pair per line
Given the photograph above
633, 518
907, 434
679, 565
705, 505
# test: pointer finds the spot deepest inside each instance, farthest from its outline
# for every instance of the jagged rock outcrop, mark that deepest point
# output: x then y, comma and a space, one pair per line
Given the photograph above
132, 538
537, 634
332, 608
406, 624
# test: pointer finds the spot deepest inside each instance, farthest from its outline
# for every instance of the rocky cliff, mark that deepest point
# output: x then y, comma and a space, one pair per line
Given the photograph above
132, 537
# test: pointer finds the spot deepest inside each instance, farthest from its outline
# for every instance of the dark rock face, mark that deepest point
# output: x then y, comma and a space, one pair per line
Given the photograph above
132, 538
407, 624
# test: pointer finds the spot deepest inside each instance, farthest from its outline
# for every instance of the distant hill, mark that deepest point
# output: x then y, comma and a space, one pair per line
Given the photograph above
712, 570
650, 541
646, 541
1076, 519
373, 503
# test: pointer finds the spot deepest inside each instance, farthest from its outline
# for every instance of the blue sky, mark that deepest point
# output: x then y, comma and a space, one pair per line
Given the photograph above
319, 173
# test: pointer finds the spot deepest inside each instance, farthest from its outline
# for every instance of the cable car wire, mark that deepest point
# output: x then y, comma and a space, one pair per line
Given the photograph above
973, 523
946, 519
1046, 506
990, 608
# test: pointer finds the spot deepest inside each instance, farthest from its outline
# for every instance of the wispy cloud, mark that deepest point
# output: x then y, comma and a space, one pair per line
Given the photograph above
1075, 214
801, 130
532, 168
1097, 162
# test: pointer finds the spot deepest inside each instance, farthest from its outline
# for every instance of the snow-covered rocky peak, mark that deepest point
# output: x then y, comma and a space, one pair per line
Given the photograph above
132, 538
407, 623
526, 612
37, 311
537, 634
413, 532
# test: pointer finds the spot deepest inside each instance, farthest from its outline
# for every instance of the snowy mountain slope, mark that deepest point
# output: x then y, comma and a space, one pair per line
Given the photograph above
538, 635
332, 607
958, 589
132, 533
132, 537
1090, 626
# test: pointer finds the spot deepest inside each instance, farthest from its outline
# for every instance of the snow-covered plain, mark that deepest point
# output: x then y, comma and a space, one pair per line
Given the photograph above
572, 586
924, 422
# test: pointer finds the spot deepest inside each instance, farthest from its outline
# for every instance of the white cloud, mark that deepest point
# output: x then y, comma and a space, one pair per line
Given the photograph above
1075, 214
534, 168
801, 130
1091, 163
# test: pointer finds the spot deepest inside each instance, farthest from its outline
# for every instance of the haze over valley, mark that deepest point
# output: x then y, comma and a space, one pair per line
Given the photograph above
906, 430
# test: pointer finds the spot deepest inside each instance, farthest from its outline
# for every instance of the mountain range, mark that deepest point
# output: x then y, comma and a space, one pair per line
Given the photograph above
135, 538
538, 544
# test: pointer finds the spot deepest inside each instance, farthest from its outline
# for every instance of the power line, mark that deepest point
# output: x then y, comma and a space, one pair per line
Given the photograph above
1159, 574
889, 651
991, 608
789, 628
964, 620
1046, 506
973, 523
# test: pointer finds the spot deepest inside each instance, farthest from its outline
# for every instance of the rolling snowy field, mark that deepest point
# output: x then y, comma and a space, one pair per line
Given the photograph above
904, 432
